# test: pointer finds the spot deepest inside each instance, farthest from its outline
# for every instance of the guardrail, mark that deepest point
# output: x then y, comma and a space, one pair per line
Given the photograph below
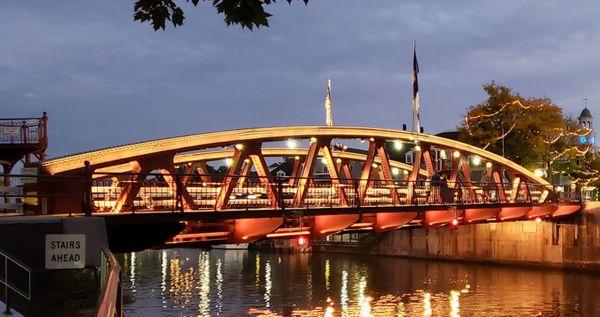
110, 303
11, 274
131, 192
24, 130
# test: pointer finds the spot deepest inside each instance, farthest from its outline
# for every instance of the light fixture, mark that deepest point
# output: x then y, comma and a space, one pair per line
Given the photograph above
418, 148
538, 220
323, 160
247, 161
488, 164
395, 171
476, 160
456, 154
405, 172
297, 158
539, 172
454, 222
374, 165
228, 162
239, 146
313, 140
371, 140
292, 144
338, 160
398, 145
443, 155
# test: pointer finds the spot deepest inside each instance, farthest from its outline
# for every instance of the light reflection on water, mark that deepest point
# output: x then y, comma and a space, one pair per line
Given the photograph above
188, 282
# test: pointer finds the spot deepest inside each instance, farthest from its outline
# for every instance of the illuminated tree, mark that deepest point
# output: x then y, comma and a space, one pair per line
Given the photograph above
530, 131
247, 13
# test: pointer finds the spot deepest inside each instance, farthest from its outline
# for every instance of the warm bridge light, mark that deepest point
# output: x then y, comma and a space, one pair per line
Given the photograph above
538, 219
398, 145
476, 160
456, 154
228, 162
302, 241
292, 144
539, 172
454, 222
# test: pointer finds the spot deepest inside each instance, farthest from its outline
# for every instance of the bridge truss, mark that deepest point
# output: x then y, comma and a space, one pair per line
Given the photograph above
359, 190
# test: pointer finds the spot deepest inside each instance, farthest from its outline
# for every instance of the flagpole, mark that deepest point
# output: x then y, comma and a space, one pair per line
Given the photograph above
415, 83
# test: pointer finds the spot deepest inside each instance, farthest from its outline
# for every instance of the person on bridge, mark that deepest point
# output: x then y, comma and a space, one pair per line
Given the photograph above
436, 184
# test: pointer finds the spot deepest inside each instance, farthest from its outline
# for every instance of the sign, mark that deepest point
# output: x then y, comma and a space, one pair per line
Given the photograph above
65, 251
29, 171
11, 131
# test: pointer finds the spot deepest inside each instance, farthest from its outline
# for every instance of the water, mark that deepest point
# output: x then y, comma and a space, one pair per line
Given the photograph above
189, 282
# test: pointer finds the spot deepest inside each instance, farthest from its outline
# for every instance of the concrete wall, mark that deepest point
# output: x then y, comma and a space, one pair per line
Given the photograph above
573, 243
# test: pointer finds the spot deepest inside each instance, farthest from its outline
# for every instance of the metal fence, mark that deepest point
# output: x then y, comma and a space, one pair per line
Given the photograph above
23, 130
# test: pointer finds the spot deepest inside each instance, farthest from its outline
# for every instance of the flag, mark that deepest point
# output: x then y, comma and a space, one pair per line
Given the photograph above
415, 83
328, 105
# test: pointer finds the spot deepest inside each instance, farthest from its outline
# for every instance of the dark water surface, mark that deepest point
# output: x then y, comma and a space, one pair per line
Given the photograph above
189, 282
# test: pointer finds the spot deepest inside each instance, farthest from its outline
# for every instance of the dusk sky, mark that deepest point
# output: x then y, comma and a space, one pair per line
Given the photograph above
107, 80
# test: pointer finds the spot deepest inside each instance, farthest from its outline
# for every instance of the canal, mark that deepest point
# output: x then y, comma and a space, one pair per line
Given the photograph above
190, 282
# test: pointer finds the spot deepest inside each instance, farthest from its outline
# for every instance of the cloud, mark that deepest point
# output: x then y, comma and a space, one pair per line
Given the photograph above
106, 80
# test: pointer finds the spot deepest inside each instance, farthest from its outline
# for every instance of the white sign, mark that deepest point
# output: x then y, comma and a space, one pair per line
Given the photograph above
11, 131
29, 171
65, 251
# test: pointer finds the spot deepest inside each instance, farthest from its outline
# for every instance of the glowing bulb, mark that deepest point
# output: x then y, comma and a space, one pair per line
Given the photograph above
405, 172
323, 160
476, 160
338, 160
239, 146
292, 144
454, 222
301, 241
456, 154
395, 171
374, 165
488, 164
313, 140
371, 140
228, 162
247, 161
538, 172
297, 158
538, 220
398, 145
418, 148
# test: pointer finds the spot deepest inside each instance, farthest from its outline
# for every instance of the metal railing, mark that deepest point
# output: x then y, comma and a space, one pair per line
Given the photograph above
177, 192
12, 274
131, 192
110, 303
24, 130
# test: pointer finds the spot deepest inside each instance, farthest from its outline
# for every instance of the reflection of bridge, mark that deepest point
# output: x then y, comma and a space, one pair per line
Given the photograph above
143, 181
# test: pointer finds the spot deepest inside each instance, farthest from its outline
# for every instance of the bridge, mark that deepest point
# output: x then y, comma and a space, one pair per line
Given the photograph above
340, 179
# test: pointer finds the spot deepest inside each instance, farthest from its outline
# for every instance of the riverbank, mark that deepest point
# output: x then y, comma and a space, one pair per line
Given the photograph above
572, 243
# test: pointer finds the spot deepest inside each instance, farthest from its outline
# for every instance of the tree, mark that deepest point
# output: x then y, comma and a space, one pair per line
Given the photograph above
247, 13
530, 131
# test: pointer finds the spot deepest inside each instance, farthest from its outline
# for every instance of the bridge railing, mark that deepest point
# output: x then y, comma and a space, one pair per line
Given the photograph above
179, 192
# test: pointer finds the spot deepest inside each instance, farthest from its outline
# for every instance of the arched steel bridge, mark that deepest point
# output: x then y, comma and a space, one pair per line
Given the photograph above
169, 179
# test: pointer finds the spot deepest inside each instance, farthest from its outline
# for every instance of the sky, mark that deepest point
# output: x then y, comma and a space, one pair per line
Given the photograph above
106, 80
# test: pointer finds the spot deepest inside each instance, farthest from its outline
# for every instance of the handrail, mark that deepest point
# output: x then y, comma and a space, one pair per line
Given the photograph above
110, 303
8, 285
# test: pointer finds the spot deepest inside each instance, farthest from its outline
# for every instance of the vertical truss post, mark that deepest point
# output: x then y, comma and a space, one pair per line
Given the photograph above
244, 173
365, 175
386, 172
264, 176
295, 170
413, 176
230, 179
140, 171
203, 172
497, 177
516, 182
177, 183
333, 174
466, 171
307, 172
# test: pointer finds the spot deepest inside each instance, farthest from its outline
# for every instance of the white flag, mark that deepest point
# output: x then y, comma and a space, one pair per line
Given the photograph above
328, 105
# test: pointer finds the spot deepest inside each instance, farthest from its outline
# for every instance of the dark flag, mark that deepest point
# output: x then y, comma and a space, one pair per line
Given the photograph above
415, 83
